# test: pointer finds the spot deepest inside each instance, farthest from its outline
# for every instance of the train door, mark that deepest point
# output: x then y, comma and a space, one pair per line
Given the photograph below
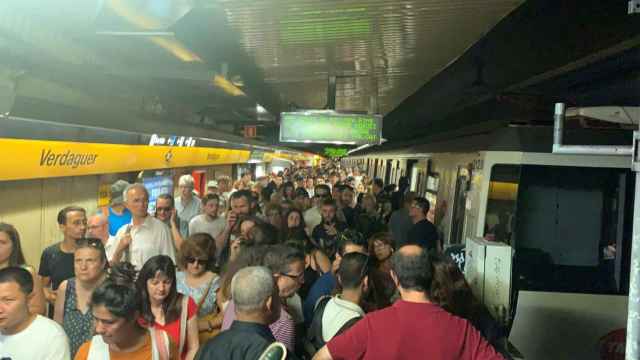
573, 232
459, 206
387, 171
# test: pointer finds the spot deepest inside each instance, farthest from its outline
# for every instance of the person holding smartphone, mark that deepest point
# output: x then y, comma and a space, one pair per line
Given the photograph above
325, 234
242, 205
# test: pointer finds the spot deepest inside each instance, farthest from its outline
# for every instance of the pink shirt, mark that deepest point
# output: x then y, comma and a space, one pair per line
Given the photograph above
283, 329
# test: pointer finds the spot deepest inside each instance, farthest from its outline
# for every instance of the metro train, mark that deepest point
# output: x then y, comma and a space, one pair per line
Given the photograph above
566, 221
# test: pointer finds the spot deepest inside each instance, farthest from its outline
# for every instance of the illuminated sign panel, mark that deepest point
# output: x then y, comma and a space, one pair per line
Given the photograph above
32, 159
334, 152
329, 127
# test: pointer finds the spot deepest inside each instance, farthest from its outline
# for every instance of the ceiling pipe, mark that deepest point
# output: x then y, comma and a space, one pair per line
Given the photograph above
560, 148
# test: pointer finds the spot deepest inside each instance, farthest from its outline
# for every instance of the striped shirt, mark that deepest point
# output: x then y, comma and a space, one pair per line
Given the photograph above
283, 329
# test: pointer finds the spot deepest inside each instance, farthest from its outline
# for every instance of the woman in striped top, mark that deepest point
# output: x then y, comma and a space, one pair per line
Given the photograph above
287, 265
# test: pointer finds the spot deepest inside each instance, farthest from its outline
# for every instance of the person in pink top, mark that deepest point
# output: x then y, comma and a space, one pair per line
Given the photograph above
287, 265
413, 327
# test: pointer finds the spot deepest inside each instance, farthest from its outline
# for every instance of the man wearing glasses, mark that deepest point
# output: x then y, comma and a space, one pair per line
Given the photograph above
423, 232
287, 266
166, 212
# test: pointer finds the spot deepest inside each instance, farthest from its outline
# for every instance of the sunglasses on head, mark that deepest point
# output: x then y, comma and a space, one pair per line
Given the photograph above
191, 260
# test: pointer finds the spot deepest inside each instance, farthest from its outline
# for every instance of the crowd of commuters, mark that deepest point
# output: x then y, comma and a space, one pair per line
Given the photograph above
325, 261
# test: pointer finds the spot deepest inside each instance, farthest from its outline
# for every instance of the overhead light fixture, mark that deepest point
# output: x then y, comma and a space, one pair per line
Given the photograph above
227, 86
237, 81
148, 23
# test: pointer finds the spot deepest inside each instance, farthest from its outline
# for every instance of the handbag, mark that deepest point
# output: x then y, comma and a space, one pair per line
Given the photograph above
213, 317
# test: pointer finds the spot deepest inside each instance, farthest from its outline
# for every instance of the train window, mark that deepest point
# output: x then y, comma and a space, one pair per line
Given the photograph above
501, 203
573, 229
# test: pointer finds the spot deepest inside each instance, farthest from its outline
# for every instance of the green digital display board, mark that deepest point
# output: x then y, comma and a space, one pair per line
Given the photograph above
335, 152
301, 25
329, 127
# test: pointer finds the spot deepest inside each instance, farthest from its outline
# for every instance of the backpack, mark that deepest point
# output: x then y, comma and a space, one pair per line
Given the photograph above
314, 335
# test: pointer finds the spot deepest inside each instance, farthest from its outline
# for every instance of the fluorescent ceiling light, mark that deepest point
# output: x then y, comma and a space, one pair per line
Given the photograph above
227, 86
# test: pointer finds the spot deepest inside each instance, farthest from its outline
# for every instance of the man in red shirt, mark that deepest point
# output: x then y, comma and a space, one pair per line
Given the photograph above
413, 328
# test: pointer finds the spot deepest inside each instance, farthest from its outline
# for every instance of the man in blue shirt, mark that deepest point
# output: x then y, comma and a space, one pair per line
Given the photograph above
117, 213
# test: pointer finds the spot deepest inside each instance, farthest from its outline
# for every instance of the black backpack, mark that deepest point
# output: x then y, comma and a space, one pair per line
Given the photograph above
314, 335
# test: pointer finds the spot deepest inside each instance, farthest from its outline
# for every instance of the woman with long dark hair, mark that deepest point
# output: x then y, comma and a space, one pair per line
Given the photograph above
115, 307
11, 255
450, 290
164, 309
294, 225
381, 249
288, 191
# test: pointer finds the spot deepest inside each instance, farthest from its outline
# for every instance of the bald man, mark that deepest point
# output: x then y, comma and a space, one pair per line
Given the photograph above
413, 328
98, 227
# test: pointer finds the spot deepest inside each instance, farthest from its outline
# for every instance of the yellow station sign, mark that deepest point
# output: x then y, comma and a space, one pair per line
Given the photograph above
32, 159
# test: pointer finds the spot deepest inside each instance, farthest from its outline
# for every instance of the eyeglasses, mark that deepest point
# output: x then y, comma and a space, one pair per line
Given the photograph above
191, 260
162, 209
298, 277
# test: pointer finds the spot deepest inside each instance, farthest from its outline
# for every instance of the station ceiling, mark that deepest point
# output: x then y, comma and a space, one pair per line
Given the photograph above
380, 51
202, 66
213, 61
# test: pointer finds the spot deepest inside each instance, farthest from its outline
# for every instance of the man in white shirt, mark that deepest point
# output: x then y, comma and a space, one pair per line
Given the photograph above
187, 205
209, 222
146, 236
24, 335
312, 217
98, 227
